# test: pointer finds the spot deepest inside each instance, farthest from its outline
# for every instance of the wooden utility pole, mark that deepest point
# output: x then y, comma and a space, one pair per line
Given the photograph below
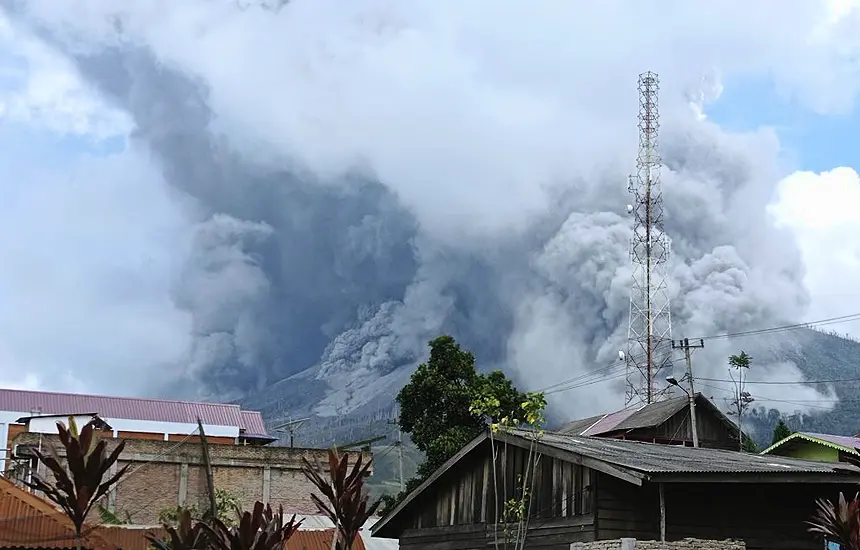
210, 482
399, 449
691, 395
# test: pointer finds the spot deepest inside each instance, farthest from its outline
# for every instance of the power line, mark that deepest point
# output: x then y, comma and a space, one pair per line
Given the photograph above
781, 328
788, 382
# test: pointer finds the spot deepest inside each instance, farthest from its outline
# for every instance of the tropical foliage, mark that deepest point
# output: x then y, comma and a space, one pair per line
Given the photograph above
346, 502
838, 522
260, 529
227, 510
436, 405
79, 480
516, 512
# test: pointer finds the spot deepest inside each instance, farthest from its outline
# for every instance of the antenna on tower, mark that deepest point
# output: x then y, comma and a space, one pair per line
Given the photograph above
650, 330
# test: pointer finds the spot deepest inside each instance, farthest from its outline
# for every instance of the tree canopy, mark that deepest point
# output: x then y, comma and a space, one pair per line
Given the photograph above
780, 432
436, 404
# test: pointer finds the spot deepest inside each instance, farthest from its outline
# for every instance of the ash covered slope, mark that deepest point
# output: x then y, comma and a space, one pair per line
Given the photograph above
794, 355
320, 267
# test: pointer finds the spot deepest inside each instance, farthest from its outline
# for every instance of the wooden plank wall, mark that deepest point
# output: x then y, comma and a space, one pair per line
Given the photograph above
471, 495
768, 516
713, 434
462, 508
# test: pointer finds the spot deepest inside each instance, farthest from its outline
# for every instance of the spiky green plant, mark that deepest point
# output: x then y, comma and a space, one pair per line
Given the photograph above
79, 483
346, 504
185, 535
261, 529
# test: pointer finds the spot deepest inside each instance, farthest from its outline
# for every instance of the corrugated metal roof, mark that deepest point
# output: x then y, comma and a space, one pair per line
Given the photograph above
128, 537
252, 423
653, 458
27, 521
576, 427
322, 523
609, 422
130, 408
651, 415
646, 416
842, 443
848, 442
316, 540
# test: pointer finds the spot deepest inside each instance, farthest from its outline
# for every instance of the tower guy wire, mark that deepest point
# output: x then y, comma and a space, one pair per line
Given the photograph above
650, 325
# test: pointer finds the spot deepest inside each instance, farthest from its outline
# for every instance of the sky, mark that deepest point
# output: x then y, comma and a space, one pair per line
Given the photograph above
94, 238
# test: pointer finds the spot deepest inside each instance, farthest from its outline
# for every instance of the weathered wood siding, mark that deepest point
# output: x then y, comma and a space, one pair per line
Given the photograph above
555, 534
460, 511
767, 517
713, 434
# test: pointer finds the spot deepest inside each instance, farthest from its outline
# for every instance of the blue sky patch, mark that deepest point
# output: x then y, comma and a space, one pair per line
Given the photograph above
815, 142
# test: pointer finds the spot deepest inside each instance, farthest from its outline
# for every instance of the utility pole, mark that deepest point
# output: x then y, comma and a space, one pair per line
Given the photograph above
691, 395
210, 482
399, 448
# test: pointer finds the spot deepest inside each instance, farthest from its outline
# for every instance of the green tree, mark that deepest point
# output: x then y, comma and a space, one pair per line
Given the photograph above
436, 404
228, 511
780, 432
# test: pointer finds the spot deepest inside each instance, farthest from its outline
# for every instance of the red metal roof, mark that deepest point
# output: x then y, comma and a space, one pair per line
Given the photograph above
27, 521
130, 408
252, 423
128, 537
608, 422
319, 539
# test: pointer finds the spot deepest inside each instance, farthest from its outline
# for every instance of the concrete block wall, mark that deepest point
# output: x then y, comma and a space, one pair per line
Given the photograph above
685, 544
164, 474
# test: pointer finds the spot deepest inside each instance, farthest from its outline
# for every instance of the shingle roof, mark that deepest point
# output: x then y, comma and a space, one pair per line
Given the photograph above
131, 408
653, 458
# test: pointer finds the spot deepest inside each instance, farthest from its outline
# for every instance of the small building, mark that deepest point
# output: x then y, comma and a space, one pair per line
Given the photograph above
165, 474
129, 418
596, 489
667, 422
815, 446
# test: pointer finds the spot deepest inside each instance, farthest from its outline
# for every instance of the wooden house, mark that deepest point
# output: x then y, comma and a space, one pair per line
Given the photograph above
814, 446
666, 422
588, 489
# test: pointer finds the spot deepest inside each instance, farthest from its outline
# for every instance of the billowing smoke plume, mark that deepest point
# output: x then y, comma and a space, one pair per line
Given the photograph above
364, 176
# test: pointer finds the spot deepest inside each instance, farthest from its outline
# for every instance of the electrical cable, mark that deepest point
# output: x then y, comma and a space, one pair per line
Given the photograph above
572, 383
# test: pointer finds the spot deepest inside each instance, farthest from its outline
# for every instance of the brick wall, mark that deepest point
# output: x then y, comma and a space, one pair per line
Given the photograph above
685, 544
162, 474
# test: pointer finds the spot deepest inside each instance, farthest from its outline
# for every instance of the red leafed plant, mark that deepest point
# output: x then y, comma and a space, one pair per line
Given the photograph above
838, 522
185, 536
78, 485
261, 529
346, 501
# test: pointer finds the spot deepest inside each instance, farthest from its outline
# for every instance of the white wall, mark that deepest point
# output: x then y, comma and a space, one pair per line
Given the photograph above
48, 425
6, 418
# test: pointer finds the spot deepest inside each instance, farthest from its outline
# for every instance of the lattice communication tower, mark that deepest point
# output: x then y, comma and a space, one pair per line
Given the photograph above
650, 331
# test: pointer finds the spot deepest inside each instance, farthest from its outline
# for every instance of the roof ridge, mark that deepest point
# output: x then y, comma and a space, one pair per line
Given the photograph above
98, 396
